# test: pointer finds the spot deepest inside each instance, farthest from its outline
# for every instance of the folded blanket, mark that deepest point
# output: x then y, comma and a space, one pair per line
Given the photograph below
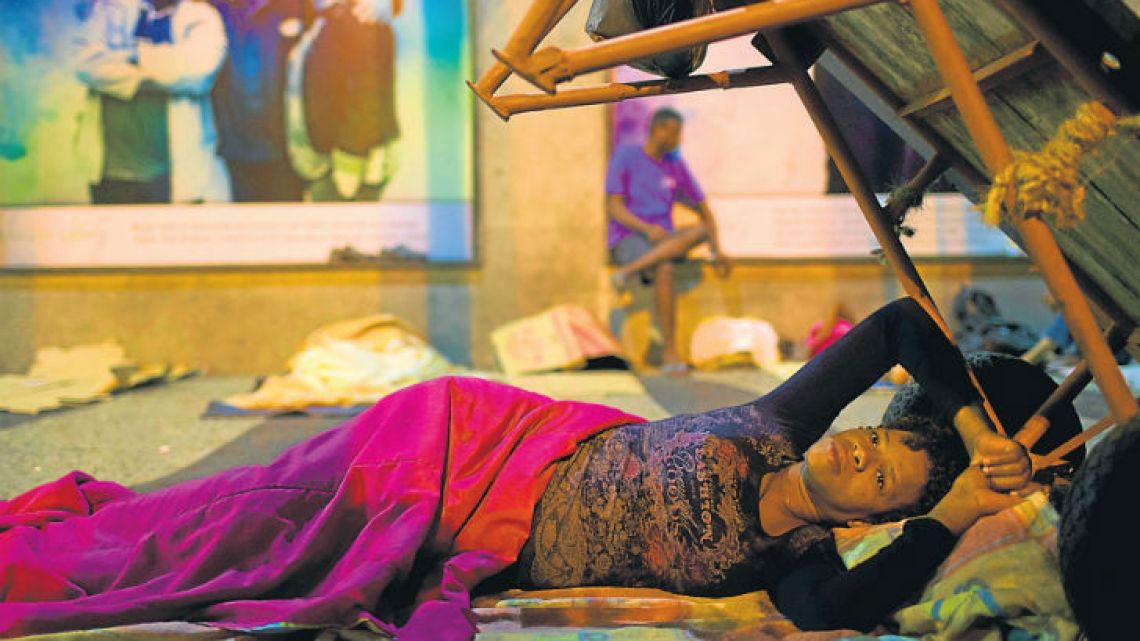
401, 509
1002, 576
348, 364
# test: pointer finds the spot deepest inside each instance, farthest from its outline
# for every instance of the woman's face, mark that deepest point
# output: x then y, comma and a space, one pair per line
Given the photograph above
858, 473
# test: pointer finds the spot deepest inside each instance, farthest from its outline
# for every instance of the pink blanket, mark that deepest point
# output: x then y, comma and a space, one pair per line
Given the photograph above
402, 509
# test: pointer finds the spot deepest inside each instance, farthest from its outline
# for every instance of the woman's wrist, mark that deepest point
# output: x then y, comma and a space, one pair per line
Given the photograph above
955, 520
971, 423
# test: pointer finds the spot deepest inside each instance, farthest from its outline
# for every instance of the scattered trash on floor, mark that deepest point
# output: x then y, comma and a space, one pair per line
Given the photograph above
827, 330
400, 255
722, 341
66, 376
564, 337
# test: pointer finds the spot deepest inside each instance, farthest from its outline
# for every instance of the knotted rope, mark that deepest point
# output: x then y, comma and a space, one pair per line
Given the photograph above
1047, 182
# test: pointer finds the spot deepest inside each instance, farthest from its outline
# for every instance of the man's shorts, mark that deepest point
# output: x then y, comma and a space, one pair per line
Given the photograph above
631, 248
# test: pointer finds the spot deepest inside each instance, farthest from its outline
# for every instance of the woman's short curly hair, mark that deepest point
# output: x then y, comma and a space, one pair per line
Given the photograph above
1015, 390
948, 458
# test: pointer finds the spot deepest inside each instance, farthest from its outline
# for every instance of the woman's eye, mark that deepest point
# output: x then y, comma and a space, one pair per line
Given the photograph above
874, 438
880, 479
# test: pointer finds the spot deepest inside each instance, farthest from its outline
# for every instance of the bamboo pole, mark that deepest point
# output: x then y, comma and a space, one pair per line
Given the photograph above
1080, 376
547, 67
525, 39
882, 227
540, 18
1036, 426
1056, 456
897, 205
507, 106
1039, 241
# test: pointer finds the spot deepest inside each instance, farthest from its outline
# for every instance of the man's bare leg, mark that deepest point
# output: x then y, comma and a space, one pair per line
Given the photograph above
666, 299
674, 246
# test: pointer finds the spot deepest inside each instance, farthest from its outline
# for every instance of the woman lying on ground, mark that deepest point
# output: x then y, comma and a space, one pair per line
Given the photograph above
393, 518
740, 498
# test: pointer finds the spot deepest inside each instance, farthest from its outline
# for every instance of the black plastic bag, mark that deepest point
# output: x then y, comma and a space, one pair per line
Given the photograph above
612, 18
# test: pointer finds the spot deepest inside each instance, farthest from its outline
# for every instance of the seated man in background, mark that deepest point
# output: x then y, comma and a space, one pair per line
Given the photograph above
642, 183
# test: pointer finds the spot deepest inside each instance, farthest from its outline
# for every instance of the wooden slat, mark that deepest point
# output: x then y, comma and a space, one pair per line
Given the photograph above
1012, 65
886, 38
897, 60
1103, 258
986, 22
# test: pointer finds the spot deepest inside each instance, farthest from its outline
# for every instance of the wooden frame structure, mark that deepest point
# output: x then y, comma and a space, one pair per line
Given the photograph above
548, 67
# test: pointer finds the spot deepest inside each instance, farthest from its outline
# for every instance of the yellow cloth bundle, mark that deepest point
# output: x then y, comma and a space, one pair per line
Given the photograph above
354, 362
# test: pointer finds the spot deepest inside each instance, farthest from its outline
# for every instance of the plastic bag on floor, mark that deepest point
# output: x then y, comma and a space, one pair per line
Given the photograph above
721, 341
564, 337
612, 18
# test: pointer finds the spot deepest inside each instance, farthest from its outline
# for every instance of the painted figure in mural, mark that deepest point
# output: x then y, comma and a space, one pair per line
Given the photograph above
148, 134
341, 100
642, 184
249, 96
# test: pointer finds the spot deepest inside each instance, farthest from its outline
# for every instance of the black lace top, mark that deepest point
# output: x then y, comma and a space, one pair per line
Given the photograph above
673, 504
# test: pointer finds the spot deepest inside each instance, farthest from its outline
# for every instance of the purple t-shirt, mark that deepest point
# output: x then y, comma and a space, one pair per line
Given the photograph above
650, 187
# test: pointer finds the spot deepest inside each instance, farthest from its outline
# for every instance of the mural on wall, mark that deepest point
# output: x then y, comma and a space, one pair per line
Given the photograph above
215, 113
765, 171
